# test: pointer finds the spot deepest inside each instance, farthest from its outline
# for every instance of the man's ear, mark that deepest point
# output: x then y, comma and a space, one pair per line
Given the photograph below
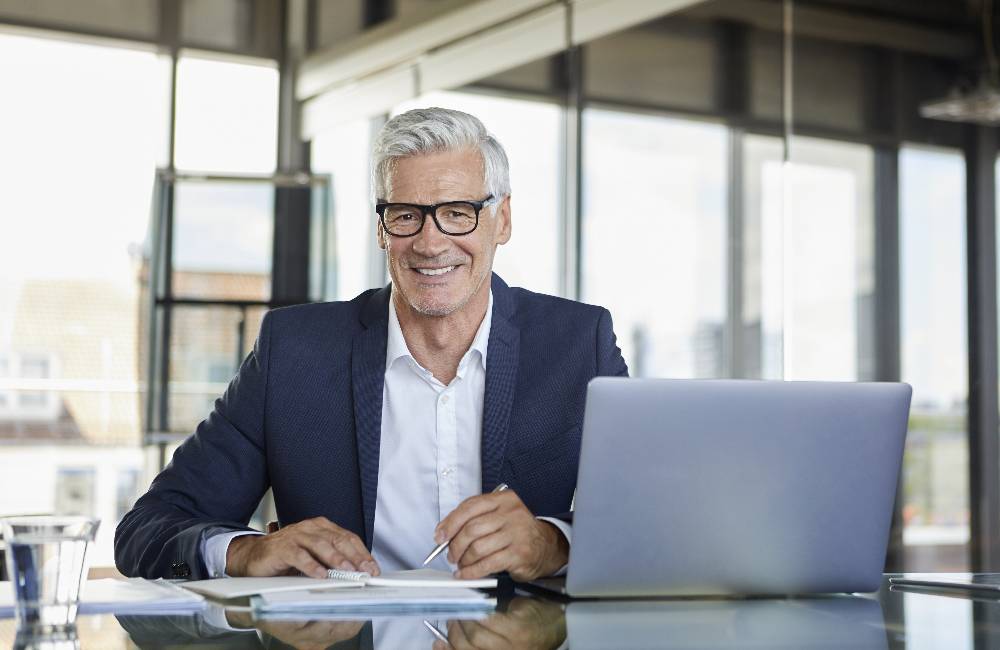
503, 221
380, 235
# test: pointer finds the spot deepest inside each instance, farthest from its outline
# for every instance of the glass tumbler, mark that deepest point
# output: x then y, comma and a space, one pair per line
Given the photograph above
45, 563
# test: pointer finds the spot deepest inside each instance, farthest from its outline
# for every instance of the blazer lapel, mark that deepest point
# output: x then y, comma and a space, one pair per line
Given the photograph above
502, 356
368, 377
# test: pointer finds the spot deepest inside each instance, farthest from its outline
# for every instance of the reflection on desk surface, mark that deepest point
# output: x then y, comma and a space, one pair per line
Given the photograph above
891, 619
525, 623
835, 622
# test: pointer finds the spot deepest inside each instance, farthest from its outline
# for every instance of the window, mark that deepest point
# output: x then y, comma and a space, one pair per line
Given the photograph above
75, 491
934, 357
227, 116
654, 238
82, 130
809, 265
126, 490
344, 153
223, 234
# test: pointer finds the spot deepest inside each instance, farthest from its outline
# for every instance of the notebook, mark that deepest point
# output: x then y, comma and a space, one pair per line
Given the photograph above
417, 578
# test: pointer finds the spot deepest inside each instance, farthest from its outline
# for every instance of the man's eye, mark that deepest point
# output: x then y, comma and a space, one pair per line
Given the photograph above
406, 216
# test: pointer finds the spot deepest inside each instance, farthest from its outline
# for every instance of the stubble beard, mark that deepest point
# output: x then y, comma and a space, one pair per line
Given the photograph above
435, 309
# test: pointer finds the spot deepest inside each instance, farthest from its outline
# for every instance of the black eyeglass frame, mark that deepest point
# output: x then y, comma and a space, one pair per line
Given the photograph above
432, 211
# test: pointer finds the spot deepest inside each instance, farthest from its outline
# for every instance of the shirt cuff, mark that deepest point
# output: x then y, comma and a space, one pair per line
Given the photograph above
214, 549
567, 532
214, 616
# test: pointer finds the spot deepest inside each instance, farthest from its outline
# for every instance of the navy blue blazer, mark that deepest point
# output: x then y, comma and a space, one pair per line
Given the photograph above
303, 417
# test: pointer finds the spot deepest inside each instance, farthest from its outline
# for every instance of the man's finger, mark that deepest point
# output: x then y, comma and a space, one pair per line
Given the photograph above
304, 561
468, 509
472, 530
347, 543
323, 550
484, 637
483, 547
356, 551
457, 637
495, 563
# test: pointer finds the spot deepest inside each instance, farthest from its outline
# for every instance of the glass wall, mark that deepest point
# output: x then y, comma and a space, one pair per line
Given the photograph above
83, 130
226, 116
934, 355
809, 259
727, 235
654, 238
344, 153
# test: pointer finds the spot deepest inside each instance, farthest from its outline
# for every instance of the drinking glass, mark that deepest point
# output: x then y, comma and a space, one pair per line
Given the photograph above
45, 563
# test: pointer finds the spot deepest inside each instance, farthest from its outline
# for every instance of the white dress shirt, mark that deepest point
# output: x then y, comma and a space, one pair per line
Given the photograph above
429, 453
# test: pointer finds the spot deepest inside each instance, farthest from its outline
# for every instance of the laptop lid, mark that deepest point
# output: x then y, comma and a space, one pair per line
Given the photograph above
728, 487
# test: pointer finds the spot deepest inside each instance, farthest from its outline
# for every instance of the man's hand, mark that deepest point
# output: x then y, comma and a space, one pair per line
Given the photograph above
310, 635
496, 532
308, 547
528, 624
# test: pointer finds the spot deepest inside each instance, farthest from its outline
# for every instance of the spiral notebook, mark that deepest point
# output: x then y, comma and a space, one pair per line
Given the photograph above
414, 579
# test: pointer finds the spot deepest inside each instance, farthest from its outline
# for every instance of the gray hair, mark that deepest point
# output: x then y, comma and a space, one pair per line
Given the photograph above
429, 130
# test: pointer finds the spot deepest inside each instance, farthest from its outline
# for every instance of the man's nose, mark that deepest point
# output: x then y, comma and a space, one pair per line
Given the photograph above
430, 241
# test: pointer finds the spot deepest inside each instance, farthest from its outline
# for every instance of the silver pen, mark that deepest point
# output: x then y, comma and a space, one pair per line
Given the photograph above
443, 545
437, 633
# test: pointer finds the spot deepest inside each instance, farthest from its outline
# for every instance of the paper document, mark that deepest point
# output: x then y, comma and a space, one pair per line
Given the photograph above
419, 579
374, 599
128, 596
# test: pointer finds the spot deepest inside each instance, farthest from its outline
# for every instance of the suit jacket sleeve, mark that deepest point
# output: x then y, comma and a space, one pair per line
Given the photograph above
213, 484
610, 363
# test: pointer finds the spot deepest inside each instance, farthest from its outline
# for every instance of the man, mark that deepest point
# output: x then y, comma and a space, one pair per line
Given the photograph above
383, 424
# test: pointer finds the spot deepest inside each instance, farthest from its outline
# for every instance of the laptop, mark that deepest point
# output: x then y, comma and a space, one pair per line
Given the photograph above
734, 487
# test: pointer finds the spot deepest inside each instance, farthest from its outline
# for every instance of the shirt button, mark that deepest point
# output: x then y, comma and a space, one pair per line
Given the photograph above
447, 471
444, 400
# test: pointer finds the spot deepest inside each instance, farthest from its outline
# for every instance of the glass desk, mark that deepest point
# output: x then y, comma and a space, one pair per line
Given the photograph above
888, 619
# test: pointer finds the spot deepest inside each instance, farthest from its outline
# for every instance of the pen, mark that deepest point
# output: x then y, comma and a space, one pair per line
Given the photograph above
437, 633
444, 544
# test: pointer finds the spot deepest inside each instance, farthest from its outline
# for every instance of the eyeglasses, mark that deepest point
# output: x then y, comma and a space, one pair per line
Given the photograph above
451, 217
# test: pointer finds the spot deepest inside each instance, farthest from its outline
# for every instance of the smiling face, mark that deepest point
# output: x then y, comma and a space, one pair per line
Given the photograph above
438, 274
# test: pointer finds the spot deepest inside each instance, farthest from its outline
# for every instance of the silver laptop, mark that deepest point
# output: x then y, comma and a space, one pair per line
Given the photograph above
705, 487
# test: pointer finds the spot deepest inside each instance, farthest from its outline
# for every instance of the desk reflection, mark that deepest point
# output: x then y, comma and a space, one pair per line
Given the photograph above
845, 622
835, 622
525, 623
528, 623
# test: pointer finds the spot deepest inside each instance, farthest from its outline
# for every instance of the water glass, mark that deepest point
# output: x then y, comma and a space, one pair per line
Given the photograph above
45, 563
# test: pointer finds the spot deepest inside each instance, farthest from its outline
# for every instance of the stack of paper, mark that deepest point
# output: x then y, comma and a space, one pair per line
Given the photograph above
129, 596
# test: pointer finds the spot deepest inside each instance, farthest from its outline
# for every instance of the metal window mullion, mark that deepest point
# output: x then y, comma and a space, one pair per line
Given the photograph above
570, 252
735, 258
983, 417
886, 307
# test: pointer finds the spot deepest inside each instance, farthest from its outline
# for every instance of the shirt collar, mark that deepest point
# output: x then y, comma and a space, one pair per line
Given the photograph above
396, 344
